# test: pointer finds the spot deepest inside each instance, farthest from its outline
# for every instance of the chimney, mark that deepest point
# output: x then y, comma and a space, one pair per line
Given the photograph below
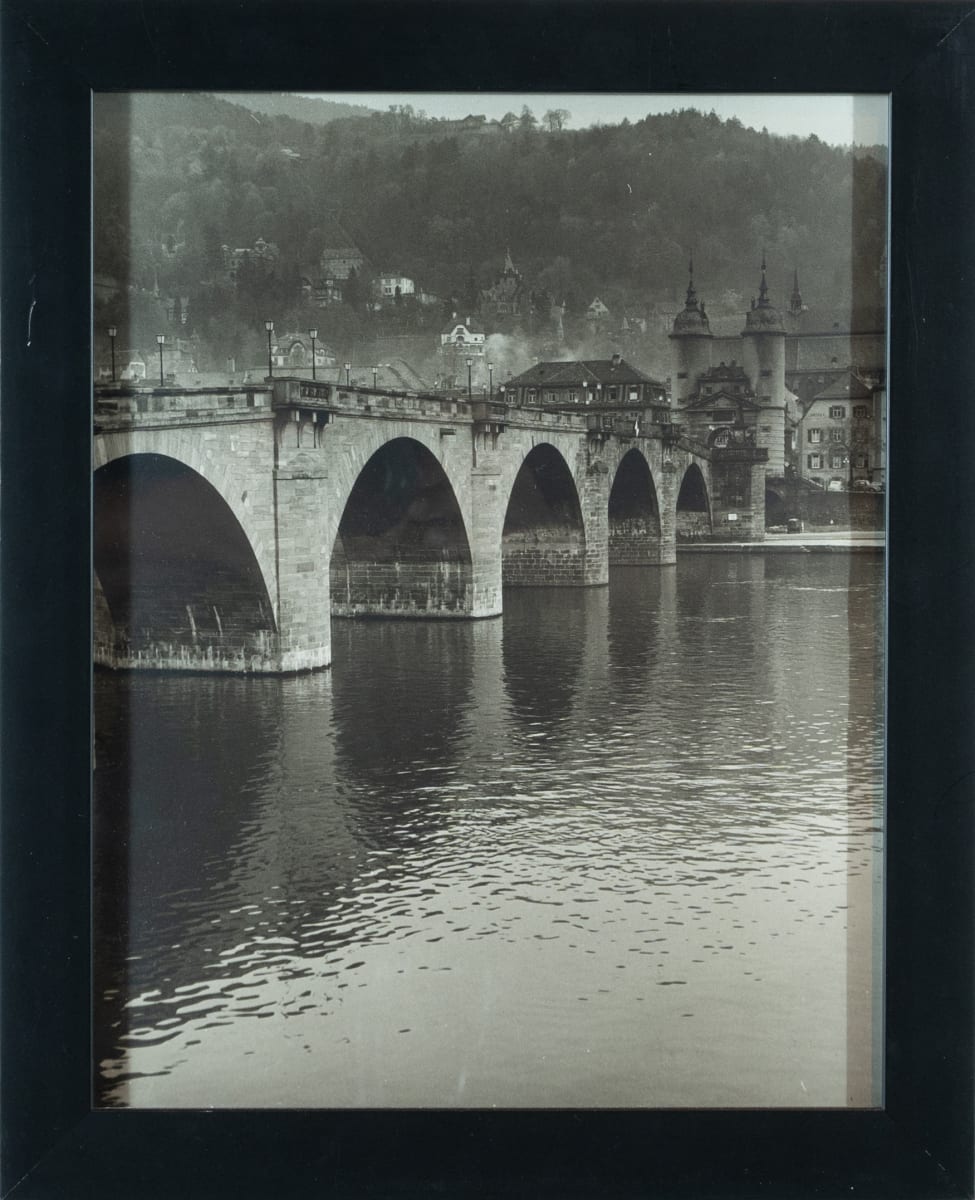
616, 361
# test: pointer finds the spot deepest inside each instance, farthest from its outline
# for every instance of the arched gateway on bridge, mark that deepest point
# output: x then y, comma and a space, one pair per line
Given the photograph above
232, 524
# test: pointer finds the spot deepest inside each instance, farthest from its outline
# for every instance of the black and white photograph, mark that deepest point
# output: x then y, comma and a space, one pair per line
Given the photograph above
489, 500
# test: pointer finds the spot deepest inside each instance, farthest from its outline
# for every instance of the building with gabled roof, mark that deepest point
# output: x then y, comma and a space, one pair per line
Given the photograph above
570, 383
462, 352
505, 297
842, 434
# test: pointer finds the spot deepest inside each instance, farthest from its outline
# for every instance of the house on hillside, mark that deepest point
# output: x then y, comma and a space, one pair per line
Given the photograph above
292, 351
261, 258
506, 297
340, 255
462, 353
391, 286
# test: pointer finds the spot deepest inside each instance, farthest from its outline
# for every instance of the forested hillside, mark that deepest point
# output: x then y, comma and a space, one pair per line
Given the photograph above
612, 211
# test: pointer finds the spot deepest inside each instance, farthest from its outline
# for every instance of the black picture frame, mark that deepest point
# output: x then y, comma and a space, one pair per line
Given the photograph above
55, 53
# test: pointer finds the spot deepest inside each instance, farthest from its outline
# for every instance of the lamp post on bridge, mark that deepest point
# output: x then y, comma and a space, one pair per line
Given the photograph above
470, 364
375, 372
490, 367
269, 326
113, 333
313, 334
348, 368
160, 342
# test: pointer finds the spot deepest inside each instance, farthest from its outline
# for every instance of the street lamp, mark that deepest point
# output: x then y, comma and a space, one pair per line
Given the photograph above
160, 341
490, 381
470, 363
348, 368
313, 334
113, 333
375, 372
269, 326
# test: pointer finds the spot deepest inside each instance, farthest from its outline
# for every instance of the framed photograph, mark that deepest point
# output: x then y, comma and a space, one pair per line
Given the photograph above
506, 511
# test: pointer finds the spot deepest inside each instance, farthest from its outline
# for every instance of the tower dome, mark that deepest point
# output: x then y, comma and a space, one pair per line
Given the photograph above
692, 320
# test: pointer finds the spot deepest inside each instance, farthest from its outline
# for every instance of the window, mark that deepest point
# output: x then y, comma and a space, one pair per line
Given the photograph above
634, 394
531, 395
708, 389
861, 461
836, 462
861, 412
612, 393
837, 412
815, 462
814, 436
573, 397
837, 435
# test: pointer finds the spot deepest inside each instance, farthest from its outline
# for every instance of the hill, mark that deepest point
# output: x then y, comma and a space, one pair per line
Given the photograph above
301, 108
612, 211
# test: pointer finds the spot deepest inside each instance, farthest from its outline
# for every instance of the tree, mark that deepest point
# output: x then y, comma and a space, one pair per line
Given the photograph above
527, 121
556, 118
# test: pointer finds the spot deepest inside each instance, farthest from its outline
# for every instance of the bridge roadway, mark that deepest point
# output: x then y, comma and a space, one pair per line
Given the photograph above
231, 524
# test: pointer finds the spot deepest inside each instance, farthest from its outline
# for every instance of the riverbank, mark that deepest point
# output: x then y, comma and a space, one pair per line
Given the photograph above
845, 541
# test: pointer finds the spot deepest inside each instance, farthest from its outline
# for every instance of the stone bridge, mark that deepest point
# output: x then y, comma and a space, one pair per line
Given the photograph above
232, 524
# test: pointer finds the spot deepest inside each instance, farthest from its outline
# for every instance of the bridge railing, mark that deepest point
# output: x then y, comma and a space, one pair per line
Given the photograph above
353, 398
122, 401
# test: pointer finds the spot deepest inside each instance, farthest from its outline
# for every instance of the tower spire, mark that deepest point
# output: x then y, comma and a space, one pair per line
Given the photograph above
691, 294
763, 288
796, 294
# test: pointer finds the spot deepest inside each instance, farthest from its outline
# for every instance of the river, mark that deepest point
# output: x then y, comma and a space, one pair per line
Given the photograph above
619, 848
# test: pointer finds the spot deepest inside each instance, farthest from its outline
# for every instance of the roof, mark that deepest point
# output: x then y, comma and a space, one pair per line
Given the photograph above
691, 319
561, 373
812, 351
468, 323
848, 386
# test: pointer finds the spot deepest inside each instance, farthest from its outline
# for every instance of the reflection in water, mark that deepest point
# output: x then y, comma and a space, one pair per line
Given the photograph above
596, 853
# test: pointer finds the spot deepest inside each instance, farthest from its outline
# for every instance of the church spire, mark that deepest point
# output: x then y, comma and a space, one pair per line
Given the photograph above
509, 266
796, 294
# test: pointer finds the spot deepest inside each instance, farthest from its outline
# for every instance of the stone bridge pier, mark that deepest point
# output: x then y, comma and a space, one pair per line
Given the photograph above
233, 525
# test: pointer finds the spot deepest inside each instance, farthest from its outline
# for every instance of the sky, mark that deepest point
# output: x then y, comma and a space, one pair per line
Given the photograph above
840, 120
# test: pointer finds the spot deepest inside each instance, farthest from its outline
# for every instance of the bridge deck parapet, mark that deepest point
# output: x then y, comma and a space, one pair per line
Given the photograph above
125, 403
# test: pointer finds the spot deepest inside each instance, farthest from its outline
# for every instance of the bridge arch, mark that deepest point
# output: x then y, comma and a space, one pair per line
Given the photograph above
401, 545
177, 581
634, 513
543, 538
693, 505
